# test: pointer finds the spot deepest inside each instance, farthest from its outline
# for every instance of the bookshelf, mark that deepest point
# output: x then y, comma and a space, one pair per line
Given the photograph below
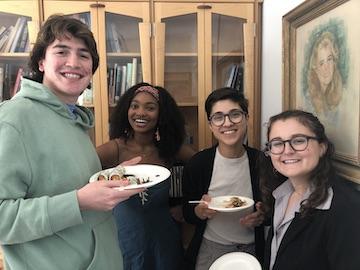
189, 47
19, 22
202, 46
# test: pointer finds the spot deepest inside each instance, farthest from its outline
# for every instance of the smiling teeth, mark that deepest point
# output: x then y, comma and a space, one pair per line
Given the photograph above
290, 161
229, 131
71, 75
140, 121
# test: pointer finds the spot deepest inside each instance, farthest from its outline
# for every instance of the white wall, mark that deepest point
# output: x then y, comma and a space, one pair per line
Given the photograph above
271, 101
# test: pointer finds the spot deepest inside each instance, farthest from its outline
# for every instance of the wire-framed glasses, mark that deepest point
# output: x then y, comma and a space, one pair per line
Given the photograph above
235, 116
297, 143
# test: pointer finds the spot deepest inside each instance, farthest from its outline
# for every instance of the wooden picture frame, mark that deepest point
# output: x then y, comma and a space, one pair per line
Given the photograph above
321, 72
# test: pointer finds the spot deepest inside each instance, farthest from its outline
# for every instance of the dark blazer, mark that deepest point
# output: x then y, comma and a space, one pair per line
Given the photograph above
196, 181
326, 240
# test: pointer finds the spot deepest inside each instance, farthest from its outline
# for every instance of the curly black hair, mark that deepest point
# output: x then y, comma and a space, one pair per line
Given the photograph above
270, 179
171, 123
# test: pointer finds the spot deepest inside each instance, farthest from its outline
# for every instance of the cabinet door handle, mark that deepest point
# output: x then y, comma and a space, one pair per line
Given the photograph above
204, 7
97, 5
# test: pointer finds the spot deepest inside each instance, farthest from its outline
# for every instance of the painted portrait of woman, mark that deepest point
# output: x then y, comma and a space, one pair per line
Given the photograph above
324, 79
327, 78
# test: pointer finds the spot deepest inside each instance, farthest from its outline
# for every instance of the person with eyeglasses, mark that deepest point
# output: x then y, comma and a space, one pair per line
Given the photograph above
228, 168
314, 213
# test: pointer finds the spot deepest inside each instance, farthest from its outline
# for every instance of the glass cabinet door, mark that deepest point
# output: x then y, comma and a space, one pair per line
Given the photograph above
126, 51
230, 52
178, 61
86, 12
19, 21
202, 47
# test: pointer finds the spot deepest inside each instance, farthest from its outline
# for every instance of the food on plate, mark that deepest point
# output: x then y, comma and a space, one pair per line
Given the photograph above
102, 177
119, 173
234, 202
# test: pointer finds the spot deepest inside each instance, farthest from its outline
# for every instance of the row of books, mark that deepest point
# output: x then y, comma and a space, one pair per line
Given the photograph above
236, 77
10, 78
15, 38
115, 42
121, 77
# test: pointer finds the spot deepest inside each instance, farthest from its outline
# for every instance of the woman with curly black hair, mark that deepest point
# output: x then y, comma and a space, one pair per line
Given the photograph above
314, 225
147, 122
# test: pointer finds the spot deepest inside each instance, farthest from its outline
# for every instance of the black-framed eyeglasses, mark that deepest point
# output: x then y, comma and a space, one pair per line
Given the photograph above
297, 143
235, 116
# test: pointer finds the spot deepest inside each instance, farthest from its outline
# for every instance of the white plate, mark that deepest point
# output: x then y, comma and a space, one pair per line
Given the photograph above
236, 260
219, 203
155, 173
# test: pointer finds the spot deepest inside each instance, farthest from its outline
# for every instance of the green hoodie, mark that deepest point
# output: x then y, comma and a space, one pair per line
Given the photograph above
45, 156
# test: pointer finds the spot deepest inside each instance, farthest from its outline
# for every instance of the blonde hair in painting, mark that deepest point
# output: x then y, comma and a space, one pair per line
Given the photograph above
324, 79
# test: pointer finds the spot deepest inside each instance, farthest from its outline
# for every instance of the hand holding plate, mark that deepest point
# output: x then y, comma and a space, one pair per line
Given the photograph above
102, 195
254, 219
202, 210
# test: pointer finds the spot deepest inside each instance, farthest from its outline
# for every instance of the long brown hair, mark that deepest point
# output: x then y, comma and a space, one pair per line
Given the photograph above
320, 176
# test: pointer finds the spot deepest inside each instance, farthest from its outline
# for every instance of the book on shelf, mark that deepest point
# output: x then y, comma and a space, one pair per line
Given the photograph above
83, 17
231, 76
4, 38
27, 46
139, 73
239, 82
118, 83
128, 75
17, 36
235, 77
115, 41
16, 86
115, 84
6, 82
122, 42
115, 38
134, 71
2, 30
1, 83
111, 86
12, 35
123, 81
21, 45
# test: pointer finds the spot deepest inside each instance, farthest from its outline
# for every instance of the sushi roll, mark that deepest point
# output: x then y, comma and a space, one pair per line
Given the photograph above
102, 176
117, 173
120, 169
132, 179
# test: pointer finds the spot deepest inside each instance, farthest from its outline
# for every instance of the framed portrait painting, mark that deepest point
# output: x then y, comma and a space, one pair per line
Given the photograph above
321, 72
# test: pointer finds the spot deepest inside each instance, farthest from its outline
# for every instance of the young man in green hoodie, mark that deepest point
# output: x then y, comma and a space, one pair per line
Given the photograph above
51, 217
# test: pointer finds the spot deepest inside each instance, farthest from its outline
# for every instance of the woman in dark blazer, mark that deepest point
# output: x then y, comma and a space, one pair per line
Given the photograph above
315, 221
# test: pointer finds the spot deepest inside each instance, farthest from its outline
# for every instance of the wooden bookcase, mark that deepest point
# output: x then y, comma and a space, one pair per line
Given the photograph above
19, 22
189, 47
